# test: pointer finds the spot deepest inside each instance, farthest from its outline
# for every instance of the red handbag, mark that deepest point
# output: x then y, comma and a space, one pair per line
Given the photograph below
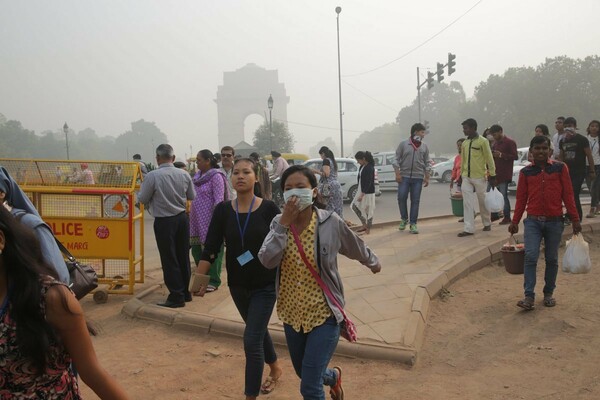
347, 327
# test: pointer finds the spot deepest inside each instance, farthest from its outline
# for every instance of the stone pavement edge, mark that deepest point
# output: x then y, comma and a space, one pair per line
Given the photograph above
390, 309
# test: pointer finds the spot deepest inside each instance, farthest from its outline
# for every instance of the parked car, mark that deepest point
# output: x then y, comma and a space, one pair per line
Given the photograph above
384, 167
437, 160
347, 175
520, 162
442, 172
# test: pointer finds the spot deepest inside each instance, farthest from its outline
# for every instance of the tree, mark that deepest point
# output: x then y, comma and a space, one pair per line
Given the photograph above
282, 139
143, 138
329, 142
17, 142
382, 138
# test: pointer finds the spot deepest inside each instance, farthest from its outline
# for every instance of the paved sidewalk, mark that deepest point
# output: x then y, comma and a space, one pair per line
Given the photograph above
390, 309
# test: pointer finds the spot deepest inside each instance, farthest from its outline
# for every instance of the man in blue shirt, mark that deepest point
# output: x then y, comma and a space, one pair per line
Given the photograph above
165, 192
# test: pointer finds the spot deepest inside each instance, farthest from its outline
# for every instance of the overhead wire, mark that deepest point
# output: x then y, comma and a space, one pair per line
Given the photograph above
418, 46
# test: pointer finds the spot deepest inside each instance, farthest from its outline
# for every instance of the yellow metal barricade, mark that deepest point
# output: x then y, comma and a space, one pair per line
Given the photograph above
92, 210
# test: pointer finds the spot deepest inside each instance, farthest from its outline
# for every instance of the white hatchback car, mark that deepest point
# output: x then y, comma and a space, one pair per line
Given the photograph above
347, 175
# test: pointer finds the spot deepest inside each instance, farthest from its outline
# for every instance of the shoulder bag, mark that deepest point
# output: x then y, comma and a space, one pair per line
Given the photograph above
347, 328
83, 277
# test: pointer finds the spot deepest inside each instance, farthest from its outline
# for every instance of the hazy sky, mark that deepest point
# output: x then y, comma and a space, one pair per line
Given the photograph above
104, 64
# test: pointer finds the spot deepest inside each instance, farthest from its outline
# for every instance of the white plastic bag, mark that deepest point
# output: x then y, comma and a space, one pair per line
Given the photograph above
494, 201
577, 256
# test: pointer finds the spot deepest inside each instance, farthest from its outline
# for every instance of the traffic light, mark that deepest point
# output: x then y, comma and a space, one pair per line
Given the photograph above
451, 63
430, 79
440, 72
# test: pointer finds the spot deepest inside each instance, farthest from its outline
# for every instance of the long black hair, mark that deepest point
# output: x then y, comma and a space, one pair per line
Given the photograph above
208, 155
24, 266
329, 154
365, 155
312, 179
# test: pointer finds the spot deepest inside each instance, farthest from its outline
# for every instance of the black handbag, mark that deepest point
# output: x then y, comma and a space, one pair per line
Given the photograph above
83, 277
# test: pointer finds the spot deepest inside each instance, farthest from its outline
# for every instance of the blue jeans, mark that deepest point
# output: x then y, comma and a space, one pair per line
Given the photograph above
414, 187
594, 186
310, 354
255, 307
577, 182
551, 232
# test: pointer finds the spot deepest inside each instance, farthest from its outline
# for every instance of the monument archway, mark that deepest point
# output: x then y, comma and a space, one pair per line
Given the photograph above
245, 92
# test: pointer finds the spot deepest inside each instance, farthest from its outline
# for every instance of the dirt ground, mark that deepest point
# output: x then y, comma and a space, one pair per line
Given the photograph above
478, 345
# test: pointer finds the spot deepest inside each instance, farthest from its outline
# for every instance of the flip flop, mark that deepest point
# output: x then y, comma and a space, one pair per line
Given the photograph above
211, 288
269, 385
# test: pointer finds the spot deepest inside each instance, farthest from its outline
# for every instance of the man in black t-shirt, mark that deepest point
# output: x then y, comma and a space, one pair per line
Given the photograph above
574, 149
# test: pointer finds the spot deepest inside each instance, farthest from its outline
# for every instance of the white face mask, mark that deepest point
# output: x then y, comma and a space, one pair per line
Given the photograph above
305, 197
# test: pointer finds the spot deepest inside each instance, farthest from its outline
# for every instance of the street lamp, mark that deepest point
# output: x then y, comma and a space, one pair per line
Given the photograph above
66, 131
270, 105
338, 10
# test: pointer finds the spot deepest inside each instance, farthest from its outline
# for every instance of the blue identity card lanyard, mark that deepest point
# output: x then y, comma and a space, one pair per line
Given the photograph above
246, 256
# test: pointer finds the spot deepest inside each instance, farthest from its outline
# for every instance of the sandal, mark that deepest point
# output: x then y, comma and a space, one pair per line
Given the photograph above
527, 304
337, 392
549, 301
211, 288
269, 385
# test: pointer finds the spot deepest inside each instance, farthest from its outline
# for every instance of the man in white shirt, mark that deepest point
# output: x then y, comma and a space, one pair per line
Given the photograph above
279, 165
558, 136
594, 184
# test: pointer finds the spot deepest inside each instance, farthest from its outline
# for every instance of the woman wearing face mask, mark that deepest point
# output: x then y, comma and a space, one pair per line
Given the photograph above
244, 223
311, 320
363, 204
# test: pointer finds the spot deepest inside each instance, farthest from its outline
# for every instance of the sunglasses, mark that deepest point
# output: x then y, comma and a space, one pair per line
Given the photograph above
226, 155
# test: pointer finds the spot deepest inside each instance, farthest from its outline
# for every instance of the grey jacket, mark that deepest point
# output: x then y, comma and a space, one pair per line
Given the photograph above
412, 163
333, 237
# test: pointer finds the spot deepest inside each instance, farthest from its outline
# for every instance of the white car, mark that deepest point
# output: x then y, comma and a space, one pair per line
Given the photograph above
520, 162
442, 172
347, 175
384, 168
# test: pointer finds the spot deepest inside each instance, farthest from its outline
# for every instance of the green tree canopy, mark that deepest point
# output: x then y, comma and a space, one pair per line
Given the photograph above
282, 140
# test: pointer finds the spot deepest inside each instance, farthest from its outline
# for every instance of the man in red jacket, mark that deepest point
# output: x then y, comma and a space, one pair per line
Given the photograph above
543, 187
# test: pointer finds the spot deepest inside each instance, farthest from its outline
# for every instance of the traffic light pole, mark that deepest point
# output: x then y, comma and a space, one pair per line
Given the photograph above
419, 93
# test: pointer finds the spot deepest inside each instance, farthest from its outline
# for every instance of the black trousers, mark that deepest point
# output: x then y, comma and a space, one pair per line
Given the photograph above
173, 241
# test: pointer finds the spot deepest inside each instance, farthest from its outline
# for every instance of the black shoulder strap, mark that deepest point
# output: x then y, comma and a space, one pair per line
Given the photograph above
64, 250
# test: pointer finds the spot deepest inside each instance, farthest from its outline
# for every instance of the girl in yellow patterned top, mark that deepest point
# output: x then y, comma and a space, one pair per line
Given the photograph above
311, 321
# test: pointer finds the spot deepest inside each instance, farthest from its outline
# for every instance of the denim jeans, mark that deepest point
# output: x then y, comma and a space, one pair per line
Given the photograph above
310, 353
551, 232
255, 307
414, 187
594, 186
577, 182
503, 188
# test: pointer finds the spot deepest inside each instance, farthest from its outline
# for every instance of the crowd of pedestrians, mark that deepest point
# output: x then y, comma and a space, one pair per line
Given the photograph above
282, 254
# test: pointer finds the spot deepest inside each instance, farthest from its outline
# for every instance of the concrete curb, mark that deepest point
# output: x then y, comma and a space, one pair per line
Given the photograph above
201, 323
414, 334
452, 272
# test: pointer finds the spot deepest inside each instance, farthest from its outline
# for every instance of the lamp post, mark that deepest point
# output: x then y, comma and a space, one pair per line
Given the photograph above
338, 10
66, 131
270, 104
